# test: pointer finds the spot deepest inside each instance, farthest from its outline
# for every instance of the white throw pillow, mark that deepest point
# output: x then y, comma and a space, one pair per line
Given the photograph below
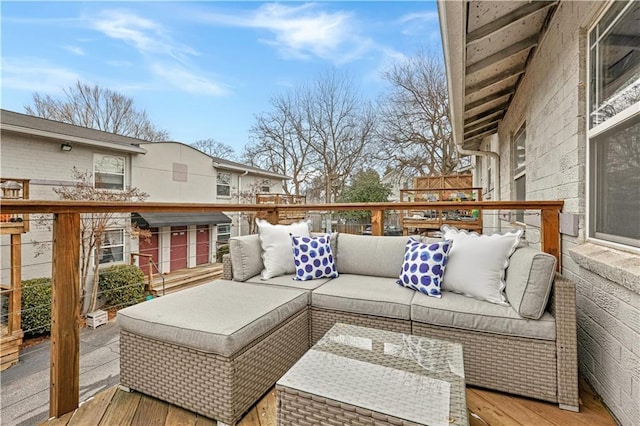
277, 252
477, 263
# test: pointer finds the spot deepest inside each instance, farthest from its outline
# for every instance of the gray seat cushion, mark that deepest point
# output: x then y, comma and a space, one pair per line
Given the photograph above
289, 282
368, 255
458, 311
363, 294
529, 278
221, 317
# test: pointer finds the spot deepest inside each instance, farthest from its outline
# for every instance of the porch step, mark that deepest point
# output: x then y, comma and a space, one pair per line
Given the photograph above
179, 280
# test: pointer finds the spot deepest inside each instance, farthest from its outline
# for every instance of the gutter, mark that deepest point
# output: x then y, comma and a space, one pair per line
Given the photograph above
491, 154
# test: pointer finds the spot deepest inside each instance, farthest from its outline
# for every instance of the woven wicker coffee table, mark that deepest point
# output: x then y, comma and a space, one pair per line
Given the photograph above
357, 376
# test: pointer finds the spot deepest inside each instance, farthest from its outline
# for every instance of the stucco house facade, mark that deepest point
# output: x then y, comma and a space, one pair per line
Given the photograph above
546, 97
45, 151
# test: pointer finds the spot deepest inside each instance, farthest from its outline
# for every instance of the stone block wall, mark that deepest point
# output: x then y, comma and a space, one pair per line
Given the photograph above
551, 99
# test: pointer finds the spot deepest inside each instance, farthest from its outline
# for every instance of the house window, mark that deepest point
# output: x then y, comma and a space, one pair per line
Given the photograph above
224, 232
224, 184
112, 246
614, 125
108, 172
519, 168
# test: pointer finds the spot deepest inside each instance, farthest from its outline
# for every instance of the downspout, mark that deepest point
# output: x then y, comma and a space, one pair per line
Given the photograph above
491, 154
246, 172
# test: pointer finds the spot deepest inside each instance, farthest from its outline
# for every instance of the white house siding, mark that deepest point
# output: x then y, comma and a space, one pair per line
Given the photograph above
48, 167
552, 100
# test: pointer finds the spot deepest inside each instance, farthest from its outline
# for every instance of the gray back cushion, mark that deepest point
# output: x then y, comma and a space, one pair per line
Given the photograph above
529, 278
369, 255
246, 256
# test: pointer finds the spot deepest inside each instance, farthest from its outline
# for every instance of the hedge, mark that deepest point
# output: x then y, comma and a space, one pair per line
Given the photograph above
121, 285
36, 306
221, 250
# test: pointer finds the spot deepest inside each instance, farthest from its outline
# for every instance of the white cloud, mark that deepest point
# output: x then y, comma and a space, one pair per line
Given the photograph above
36, 75
142, 33
74, 49
186, 80
429, 16
420, 24
303, 31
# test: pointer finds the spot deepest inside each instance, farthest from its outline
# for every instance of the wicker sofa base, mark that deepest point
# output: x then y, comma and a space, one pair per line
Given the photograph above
515, 365
297, 408
209, 384
323, 319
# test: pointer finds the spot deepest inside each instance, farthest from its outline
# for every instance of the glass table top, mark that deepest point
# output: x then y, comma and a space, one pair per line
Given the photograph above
412, 378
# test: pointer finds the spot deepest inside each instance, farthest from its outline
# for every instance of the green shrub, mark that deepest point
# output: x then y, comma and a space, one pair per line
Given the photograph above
36, 306
121, 285
221, 251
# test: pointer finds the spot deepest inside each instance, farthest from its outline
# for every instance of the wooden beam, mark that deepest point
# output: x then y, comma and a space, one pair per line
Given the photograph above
19, 206
65, 315
550, 232
490, 98
482, 126
16, 283
497, 116
377, 222
511, 17
503, 54
481, 133
498, 78
484, 114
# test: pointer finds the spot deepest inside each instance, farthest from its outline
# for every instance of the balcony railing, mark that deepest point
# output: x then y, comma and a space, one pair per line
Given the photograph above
65, 333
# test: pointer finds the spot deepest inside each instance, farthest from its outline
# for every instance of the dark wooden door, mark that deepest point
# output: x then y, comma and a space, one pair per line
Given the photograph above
179, 247
202, 244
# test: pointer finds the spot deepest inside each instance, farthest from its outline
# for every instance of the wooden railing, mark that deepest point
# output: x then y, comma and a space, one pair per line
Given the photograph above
65, 333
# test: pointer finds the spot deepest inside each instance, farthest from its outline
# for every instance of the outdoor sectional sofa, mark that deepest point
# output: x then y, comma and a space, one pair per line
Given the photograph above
525, 348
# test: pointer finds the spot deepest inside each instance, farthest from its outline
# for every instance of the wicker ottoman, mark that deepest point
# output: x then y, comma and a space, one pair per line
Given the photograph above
213, 349
362, 376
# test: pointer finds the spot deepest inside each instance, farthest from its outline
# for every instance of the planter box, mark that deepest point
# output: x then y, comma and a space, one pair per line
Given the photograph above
96, 318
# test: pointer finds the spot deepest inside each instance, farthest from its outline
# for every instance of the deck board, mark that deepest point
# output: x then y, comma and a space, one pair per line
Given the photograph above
486, 408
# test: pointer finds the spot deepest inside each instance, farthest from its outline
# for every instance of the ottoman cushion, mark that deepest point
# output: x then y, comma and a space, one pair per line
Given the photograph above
221, 317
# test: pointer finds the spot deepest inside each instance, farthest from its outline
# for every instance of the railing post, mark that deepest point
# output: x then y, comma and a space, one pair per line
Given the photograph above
377, 222
65, 315
551, 234
273, 217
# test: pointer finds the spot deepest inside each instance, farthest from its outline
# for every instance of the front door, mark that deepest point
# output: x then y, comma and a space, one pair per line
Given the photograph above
149, 246
179, 247
202, 244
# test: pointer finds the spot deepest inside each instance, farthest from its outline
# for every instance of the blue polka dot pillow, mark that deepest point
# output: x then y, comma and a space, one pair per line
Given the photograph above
313, 258
423, 266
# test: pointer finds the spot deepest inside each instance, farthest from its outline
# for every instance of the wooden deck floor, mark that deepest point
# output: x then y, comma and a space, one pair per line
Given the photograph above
116, 407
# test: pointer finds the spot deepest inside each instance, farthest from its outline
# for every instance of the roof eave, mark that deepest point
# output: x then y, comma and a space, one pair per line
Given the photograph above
72, 139
452, 15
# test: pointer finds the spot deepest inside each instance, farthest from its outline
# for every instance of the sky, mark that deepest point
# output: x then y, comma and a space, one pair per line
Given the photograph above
204, 69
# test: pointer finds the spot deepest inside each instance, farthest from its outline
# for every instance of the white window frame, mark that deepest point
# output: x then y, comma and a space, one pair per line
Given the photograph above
219, 184
226, 232
111, 246
97, 156
610, 123
519, 170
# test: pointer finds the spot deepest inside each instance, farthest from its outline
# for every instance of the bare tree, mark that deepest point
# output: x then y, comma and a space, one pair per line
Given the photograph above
316, 133
94, 227
281, 141
97, 108
415, 128
215, 149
